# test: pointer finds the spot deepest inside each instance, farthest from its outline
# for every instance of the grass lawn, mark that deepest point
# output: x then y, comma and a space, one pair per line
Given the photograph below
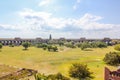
53, 62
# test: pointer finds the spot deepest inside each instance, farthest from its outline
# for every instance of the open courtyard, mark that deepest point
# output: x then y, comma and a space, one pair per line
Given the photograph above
54, 62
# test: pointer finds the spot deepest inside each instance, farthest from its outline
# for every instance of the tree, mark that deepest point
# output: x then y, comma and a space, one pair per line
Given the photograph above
78, 45
11, 45
52, 48
85, 45
80, 71
55, 48
1, 46
41, 45
26, 45
101, 45
70, 45
117, 47
112, 58
61, 43
49, 48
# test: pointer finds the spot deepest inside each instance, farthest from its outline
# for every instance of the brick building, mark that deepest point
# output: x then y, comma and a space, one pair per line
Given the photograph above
112, 75
19, 41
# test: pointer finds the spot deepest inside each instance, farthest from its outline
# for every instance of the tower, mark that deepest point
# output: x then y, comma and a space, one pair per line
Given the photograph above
50, 37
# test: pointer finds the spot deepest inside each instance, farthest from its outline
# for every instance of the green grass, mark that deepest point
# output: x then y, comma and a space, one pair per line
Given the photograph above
53, 62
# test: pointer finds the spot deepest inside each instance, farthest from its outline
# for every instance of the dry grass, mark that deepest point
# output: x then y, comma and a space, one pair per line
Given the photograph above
53, 62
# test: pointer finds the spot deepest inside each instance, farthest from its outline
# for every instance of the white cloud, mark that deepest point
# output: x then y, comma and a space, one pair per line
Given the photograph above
89, 22
8, 27
44, 2
44, 19
75, 6
36, 23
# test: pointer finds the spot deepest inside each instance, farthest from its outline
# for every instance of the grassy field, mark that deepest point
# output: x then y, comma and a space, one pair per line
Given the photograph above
53, 62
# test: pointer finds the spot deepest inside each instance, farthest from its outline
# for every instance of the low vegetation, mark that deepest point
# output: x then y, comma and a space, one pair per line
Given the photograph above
113, 58
85, 45
57, 76
38, 58
26, 45
11, 45
80, 71
47, 47
117, 47
1, 46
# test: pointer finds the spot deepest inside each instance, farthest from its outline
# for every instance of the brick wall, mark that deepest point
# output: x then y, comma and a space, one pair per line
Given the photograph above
111, 75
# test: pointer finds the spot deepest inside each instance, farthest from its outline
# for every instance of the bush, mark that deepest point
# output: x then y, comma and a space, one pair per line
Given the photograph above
40, 77
26, 45
94, 45
78, 45
61, 43
44, 48
117, 47
85, 45
57, 76
55, 48
11, 45
112, 58
80, 71
52, 48
41, 45
1, 46
101, 45
70, 45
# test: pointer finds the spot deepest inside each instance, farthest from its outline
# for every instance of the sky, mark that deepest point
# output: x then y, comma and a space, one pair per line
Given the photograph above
60, 18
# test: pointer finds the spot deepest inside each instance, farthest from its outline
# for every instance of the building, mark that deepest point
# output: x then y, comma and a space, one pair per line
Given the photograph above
111, 75
19, 41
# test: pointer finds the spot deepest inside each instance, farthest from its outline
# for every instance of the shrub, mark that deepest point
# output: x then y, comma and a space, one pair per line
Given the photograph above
44, 48
26, 45
78, 45
70, 45
117, 47
41, 45
80, 71
61, 43
11, 45
112, 58
1, 46
101, 45
49, 48
40, 77
94, 45
55, 48
57, 76
85, 45
52, 48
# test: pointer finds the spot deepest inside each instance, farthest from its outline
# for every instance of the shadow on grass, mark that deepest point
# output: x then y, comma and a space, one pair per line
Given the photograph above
88, 50
25, 49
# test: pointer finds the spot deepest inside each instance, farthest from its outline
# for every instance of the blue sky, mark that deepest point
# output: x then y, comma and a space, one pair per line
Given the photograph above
61, 18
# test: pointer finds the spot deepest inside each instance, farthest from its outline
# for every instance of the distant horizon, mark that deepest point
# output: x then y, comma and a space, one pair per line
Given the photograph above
52, 38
